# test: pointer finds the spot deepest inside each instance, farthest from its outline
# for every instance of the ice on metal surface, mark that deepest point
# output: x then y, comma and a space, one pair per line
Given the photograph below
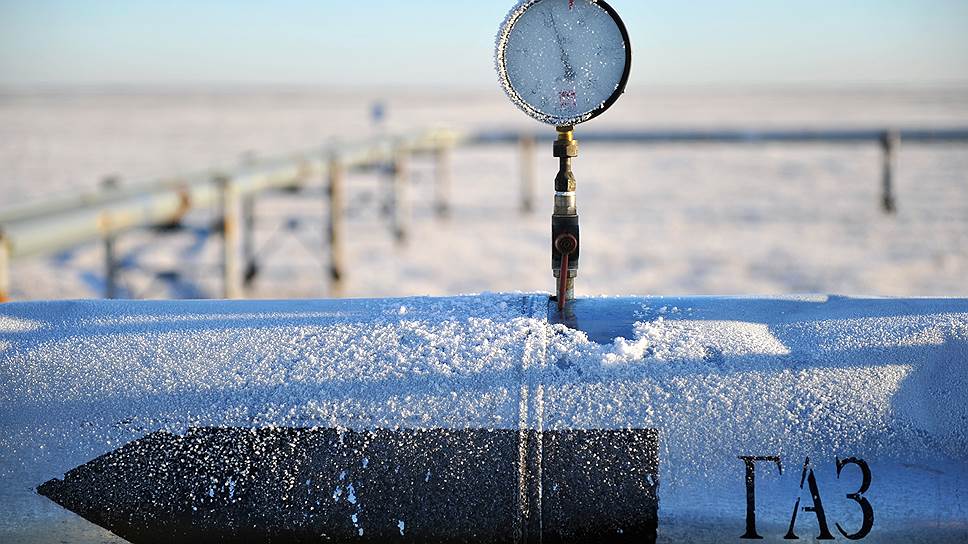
559, 60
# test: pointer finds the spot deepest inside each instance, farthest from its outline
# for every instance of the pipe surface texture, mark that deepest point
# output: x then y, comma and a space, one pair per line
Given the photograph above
492, 418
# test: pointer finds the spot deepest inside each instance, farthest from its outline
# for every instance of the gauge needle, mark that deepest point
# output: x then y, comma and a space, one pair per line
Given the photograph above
569, 71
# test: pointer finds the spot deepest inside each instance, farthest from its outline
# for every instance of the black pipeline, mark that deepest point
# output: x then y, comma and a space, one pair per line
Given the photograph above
312, 484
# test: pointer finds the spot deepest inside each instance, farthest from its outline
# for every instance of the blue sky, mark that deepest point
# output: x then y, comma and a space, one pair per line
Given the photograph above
439, 42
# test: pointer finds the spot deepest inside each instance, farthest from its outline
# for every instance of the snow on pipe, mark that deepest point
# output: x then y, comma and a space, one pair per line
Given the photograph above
487, 418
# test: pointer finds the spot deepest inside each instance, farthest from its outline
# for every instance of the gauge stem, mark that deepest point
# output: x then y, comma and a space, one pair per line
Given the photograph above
564, 219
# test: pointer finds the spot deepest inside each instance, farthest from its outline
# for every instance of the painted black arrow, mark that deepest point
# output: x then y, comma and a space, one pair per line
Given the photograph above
323, 484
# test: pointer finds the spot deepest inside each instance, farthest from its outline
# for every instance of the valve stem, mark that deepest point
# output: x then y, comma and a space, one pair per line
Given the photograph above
564, 220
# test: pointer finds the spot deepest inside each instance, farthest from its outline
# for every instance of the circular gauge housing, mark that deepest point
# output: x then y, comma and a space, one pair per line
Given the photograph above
563, 61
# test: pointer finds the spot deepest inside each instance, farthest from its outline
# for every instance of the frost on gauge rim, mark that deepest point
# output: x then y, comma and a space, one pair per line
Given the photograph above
562, 61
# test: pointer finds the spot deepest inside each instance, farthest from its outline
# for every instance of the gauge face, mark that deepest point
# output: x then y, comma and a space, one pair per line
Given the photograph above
563, 61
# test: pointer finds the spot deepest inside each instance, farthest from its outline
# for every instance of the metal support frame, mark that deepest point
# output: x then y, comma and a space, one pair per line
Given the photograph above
890, 143
334, 229
64, 221
889, 140
526, 145
229, 200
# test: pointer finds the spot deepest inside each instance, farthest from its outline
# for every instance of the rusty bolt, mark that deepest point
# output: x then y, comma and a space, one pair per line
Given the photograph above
566, 243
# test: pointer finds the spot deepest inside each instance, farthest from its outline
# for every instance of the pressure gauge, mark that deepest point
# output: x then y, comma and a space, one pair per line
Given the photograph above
563, 61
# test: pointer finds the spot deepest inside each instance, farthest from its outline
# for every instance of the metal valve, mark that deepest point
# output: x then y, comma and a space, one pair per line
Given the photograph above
566, 245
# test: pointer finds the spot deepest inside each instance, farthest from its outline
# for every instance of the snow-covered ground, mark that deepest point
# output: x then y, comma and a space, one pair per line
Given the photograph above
679, 219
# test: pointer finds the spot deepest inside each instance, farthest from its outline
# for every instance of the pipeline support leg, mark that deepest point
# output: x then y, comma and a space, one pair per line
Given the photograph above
442, 175
334, 231
528, 175
231, 277
4, 269
110, 267
110, 183
890, 142
401, 204
248, 240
